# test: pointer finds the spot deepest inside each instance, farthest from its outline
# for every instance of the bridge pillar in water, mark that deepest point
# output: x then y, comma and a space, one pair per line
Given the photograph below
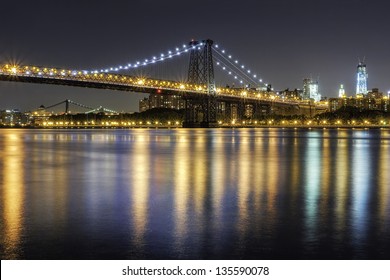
201, 109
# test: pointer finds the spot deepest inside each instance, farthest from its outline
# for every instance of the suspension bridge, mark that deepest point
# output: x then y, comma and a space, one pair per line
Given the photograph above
69, 102
204, 101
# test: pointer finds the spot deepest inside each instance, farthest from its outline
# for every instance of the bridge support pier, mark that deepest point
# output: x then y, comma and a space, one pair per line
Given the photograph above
200, 112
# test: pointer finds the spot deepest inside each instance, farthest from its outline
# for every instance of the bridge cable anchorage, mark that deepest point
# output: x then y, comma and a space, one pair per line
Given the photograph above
241, 70
145, 62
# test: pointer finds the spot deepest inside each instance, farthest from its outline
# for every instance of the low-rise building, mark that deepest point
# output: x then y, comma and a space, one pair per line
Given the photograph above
161, 101
363, 103
13, 117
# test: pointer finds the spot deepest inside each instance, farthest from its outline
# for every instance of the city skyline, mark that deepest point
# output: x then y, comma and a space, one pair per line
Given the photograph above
284, 42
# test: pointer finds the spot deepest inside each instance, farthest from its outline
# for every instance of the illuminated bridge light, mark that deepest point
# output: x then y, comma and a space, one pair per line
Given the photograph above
171, 86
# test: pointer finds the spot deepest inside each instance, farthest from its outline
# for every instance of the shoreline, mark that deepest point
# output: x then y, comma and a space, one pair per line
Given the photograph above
219, 127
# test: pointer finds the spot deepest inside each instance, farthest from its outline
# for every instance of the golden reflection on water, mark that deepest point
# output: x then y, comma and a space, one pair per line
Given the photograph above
218, 176
140, 187
243, 187
49, 199
294, 173
211, 187
181, 183
342, 175
13, 193
258, 177
272, 174
199, 174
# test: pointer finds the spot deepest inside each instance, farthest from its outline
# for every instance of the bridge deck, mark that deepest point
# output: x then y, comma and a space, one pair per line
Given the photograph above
79, 78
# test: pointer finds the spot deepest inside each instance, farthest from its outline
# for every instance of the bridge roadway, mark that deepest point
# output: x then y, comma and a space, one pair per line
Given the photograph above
79, 78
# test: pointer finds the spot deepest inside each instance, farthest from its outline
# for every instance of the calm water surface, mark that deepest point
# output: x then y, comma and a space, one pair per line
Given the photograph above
195, 194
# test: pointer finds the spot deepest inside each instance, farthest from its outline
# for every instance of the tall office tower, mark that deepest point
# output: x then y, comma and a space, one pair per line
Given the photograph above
361, 83
310, 90
342, 91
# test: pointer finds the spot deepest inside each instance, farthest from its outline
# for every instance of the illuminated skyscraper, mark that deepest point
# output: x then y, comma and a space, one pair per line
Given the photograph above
310, 90
342, 91
361, 83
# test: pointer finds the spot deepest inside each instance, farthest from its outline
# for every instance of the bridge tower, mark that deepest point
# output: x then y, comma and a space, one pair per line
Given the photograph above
201, 109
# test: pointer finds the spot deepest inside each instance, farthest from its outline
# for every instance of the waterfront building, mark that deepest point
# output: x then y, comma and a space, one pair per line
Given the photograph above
161, 101
361, 82
13, 117
369, 102
41, 115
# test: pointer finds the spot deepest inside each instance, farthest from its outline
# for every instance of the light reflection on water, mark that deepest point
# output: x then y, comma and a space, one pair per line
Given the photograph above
12, 195
195, 194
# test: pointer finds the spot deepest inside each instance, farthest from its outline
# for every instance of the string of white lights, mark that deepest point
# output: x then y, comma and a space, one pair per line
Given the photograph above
240, 68
231, 72
232, 67
154, 59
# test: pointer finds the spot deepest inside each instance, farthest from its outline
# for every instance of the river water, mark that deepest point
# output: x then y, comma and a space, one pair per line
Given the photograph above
264, 193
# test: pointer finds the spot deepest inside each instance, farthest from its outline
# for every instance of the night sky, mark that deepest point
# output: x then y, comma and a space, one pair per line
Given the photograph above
283, 41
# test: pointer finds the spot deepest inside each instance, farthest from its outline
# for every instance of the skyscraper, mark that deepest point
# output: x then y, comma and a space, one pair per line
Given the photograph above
310, 90
361, 83
342, 92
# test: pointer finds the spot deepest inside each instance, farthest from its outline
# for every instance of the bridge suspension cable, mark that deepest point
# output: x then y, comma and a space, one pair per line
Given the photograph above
101, 109
68, 101
177, 51
234, 68
226, 62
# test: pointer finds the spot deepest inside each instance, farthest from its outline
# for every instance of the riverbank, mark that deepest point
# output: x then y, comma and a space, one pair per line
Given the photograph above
221, 126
